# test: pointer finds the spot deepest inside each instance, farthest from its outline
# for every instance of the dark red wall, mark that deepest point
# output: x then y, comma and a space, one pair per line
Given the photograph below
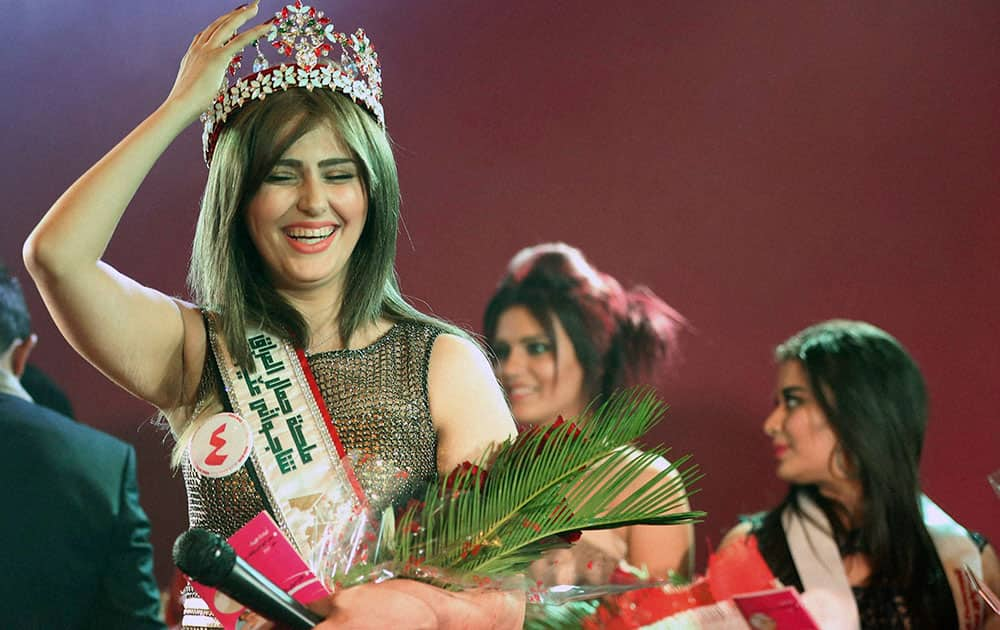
760, 165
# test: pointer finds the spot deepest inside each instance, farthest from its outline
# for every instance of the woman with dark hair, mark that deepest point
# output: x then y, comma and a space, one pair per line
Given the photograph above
300, 382
848, 427
564, 337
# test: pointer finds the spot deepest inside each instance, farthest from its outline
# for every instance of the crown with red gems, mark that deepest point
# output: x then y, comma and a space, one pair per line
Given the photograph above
301, 32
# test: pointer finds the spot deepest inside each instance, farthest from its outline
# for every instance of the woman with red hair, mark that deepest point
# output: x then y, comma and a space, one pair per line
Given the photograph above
564, 337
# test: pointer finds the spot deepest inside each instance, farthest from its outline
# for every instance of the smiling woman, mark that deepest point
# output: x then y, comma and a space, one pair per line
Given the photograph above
847, 427
566, 336
300, 160
299, 374
541, 383
308, 214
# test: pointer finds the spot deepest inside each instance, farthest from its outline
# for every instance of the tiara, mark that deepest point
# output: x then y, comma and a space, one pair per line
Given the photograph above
301, 32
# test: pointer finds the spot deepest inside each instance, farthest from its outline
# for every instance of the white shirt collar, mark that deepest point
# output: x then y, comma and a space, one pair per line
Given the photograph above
10, 384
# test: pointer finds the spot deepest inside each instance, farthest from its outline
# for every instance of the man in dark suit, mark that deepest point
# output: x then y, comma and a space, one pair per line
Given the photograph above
44, 391
74, 542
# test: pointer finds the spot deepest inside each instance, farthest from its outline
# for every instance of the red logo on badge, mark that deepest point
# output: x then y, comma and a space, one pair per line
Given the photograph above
215, 458
220, 445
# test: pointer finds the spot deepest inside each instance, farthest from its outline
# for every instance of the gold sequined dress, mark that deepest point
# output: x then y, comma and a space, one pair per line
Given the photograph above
377, 399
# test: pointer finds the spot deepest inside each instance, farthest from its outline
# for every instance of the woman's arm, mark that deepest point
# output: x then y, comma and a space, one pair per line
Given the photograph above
661, 548
411, 604
470, 415
132, 333
468, 408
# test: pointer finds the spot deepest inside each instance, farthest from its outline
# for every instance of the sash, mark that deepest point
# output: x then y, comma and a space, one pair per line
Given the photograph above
956, 549
297, 455
821, 568
817, 559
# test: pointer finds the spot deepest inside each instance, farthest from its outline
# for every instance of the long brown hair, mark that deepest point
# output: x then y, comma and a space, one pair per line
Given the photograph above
227, 275
875, 399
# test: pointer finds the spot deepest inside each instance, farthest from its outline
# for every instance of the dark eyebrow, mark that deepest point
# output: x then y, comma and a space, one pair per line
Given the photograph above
535, 338
335, 162
794, 389
323, 163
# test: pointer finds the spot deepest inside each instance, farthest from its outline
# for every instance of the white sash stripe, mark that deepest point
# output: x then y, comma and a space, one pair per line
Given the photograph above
821, 568
296, 456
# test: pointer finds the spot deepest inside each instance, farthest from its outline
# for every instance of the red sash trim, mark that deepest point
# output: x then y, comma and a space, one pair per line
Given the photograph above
330, 428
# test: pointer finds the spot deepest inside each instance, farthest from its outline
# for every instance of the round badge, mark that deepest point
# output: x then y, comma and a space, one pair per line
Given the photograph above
221, 445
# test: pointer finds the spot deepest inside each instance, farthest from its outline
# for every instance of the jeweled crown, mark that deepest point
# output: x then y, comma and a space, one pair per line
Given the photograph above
305, 34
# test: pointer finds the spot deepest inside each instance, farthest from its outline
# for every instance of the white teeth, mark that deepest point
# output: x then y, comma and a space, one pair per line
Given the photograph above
310, 234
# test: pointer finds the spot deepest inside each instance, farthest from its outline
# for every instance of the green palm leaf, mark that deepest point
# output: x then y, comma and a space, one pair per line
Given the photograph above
563, 617
544, 483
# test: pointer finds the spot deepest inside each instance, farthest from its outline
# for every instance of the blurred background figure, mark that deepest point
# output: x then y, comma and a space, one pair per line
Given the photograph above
847, 429
564, 337
76, 542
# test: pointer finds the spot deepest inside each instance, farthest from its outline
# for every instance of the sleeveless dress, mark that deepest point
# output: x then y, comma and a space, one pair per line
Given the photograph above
378, 400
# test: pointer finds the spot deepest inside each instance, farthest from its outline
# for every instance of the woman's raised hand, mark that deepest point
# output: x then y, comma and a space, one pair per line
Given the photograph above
145, 350
204, 65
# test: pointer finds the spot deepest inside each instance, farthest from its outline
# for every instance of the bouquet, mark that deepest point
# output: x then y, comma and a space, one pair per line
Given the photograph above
737, 586
482, 525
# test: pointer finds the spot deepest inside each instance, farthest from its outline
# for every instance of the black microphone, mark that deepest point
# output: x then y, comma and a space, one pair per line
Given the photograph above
208, 558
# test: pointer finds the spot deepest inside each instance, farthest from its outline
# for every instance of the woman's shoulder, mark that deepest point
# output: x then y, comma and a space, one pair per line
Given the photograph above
655, 467
979, 540
461, 385
422, 332
748, 525
741, 531
457, 356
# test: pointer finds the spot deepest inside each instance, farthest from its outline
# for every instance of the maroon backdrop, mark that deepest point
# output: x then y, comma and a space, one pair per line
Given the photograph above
760, 165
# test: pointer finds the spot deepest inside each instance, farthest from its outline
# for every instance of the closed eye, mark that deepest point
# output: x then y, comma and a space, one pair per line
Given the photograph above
277, 178
340, 176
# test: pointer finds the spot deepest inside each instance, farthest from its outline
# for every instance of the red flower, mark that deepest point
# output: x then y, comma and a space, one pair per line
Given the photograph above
571, 432
464, 476
642, 607
621, 576
409, 516
738, 568
470, 549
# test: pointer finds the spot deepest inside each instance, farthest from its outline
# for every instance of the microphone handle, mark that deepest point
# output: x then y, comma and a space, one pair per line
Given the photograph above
249, 587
